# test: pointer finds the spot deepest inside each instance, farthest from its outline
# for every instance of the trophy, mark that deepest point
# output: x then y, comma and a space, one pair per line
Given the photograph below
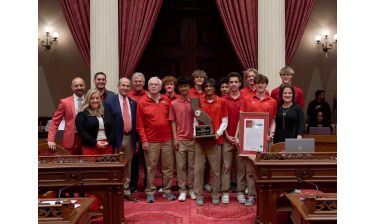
205, 130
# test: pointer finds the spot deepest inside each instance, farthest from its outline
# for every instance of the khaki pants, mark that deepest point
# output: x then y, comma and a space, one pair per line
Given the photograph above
185, 158
126, 148
227, 152
244, 176
213, 154
165, 152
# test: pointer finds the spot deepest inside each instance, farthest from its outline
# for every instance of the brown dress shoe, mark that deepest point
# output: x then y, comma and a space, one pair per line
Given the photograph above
130, 198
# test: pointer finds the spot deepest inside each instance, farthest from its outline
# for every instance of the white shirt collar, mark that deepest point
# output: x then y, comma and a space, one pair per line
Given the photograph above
76, 97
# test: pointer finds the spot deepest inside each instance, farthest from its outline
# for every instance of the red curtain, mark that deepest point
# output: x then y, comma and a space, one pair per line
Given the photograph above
297, 14
240, 18
137, 20
77, 16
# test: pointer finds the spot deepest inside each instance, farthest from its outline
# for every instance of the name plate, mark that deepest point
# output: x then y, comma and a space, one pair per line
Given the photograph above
203, 131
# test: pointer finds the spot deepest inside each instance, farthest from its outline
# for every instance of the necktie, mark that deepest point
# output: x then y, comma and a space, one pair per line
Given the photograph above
126, 117
79, 105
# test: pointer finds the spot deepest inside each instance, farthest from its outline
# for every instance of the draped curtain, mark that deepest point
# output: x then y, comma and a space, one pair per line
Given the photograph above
240, 18
137, 20
297, 14
77, 16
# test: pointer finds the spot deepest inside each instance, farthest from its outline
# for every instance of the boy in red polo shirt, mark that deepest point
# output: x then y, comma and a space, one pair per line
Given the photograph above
182, 118
260, 102
286, 75
198, 76
155, 133
249, 76
233, 100
169, 84
209, 148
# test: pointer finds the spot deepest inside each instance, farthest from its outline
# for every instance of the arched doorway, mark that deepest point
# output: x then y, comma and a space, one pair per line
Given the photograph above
188, 34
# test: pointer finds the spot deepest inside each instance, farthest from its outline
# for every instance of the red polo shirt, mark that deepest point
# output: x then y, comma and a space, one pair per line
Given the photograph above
298, 98
217, 109
152, 120
175, 96
247, 91
254, 104
137, 95
181, 112
194, 94
233, 106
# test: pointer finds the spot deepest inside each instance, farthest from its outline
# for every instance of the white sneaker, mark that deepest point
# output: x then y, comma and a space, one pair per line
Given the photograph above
192, 195
225, 198
241, 198
161, 190
182, 196
207, 187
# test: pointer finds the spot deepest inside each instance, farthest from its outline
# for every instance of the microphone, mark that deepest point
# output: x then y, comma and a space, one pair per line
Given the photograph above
316, 186
64, 188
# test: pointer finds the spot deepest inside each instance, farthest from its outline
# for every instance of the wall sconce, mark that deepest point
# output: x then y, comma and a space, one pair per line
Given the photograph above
326, 43
49, 39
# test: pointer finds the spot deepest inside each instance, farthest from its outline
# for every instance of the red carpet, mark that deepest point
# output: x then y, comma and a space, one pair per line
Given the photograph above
163, 211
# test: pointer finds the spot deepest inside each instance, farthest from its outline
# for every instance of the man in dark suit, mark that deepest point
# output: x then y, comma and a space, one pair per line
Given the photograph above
123, 110
100, 81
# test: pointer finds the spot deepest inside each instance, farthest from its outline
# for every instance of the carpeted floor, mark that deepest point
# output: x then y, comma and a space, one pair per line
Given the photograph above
164, 211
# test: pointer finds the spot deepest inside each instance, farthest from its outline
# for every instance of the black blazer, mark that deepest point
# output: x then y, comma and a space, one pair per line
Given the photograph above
113, 105
88, 126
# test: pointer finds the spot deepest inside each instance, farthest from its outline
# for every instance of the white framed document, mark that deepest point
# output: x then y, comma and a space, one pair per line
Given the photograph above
253, 132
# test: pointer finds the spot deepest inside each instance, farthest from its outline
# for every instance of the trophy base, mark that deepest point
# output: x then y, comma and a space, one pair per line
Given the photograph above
203, 131
205, 136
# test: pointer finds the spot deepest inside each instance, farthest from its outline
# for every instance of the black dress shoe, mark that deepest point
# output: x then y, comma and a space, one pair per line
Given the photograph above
130, 198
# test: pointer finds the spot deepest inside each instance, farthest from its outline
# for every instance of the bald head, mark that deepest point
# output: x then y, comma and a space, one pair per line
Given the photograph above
123, 86
78, 86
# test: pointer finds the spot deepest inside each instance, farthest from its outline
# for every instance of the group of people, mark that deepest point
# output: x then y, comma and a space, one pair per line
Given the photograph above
160, 128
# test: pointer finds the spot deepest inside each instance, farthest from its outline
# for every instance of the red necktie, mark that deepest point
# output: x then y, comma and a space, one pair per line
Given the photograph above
126, 116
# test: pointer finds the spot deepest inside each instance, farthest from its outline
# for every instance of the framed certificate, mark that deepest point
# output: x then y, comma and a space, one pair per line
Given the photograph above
253, 132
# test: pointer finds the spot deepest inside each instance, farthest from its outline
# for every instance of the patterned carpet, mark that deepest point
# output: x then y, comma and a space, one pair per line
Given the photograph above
163, 211
173, 212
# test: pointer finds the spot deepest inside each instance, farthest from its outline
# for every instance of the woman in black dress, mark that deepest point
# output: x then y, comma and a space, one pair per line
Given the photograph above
290, 119
94, 125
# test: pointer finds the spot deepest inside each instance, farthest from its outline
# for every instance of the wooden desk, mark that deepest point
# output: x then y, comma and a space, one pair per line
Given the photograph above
324, 143
65, 212
277, 173
99, 175
312, 209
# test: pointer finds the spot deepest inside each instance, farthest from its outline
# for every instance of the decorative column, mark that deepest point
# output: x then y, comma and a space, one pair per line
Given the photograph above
104, 41
271, 40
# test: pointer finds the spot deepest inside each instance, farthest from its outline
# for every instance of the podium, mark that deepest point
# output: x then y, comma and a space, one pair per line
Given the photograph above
66, 212
311, 209
276, 174
102, 175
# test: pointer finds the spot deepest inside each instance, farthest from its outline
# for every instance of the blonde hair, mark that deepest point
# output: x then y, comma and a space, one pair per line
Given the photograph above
286, 70
247, 71
86, 104
198, 72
